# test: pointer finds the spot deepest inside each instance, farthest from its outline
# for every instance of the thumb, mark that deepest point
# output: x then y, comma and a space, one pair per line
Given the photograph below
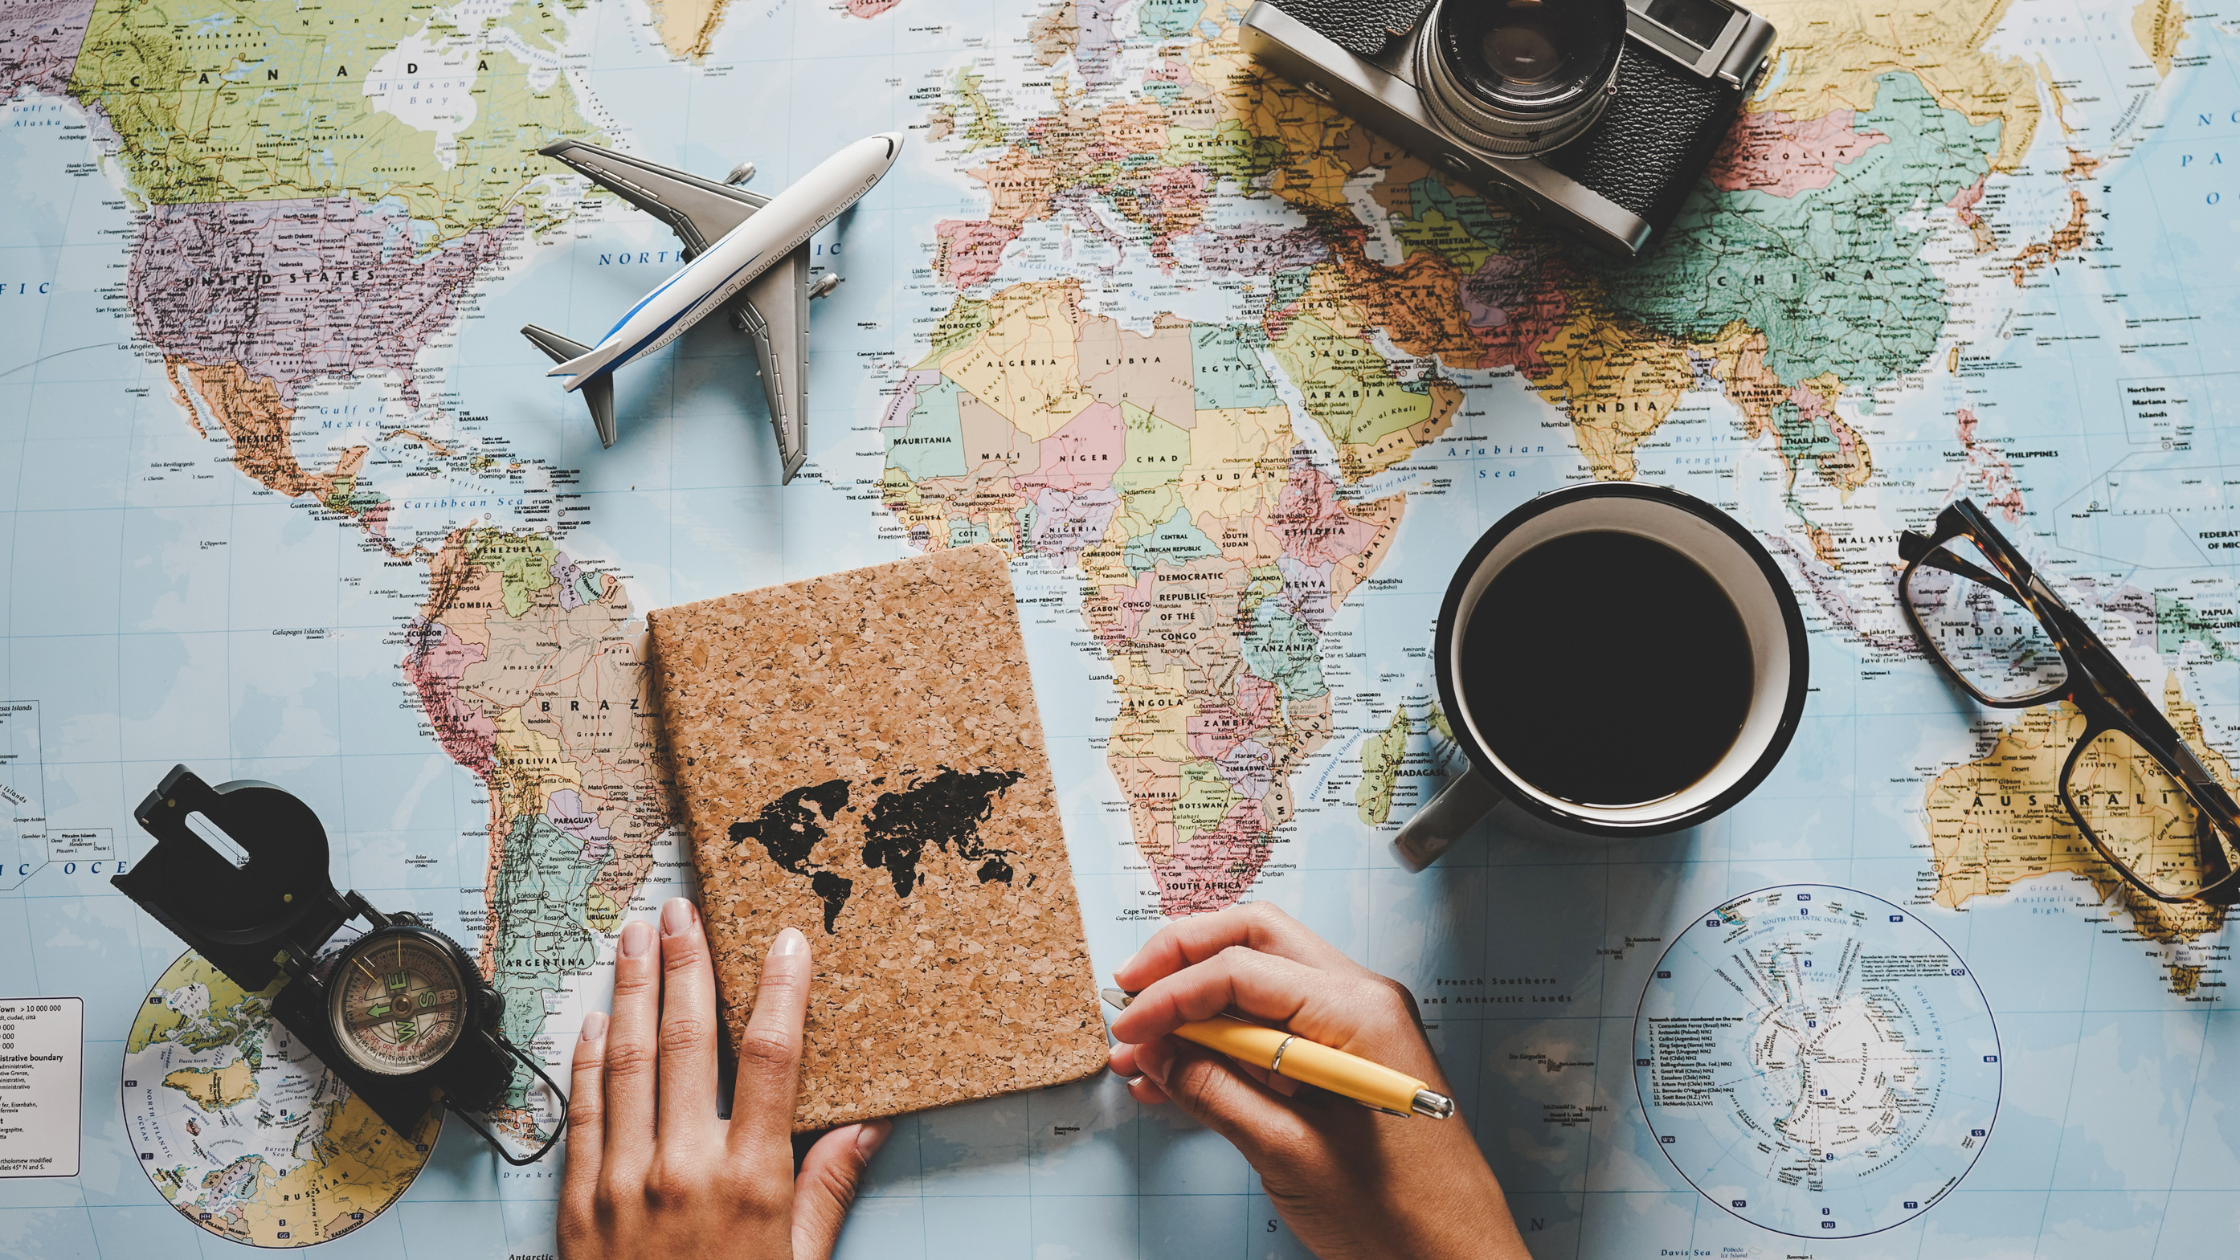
1210, 1089
827, 1184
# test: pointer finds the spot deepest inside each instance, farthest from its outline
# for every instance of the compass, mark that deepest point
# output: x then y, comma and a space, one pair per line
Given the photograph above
397, 998
401, 1013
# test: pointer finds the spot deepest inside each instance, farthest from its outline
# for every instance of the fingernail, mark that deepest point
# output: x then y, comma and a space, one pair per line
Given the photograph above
637, 938
676, 916
1128, 964
870, 1137
1135, 1080
789, 942
594, 1025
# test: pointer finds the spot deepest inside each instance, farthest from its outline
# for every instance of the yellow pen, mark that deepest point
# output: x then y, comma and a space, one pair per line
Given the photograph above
1288, 1054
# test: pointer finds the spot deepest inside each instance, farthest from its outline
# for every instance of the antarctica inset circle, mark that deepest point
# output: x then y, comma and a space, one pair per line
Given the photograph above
1817, 1061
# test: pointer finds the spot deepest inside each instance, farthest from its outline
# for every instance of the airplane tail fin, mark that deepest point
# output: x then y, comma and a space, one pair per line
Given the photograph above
598, 390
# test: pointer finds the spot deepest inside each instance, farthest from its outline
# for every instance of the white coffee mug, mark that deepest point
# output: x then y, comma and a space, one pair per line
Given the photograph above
1735, 560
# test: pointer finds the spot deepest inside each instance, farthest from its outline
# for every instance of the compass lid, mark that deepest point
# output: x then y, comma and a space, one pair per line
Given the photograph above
239, 872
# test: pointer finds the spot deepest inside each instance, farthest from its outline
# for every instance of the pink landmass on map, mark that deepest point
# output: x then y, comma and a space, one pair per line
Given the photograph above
1314, 529
1216, 728
1260, 248
564, 577
897, 414
300, 291
1306, 590
435, 662
1250, 768
1241, 841
1068, 522
1083, 454
971, 250
565, 810
1778, 155
1130, 604
39, 42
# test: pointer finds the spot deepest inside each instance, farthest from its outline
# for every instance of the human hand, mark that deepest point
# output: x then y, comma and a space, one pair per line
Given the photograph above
1349, 1181
652, 1170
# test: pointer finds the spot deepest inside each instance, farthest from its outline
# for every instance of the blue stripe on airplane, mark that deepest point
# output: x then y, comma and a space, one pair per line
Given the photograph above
680, 314
655, 335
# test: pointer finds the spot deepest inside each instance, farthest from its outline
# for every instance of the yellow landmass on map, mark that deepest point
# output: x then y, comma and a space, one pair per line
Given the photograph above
1021, 359
234, 100
358, 1167
1999, 819
600, 913
1617, 384
1314, 169
1240, 458
531, 766
1832, 51
686, 26
215, 1089
2159, 25
1155, 712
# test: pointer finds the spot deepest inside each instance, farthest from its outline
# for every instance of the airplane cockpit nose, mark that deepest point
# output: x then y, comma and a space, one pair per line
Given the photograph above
894, 142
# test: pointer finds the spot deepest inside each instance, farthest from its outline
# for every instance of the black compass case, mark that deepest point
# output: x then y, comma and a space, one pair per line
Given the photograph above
267, 906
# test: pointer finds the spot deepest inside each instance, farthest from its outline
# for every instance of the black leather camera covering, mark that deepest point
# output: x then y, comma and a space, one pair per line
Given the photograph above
1646, 152
1651, 146
1361, 27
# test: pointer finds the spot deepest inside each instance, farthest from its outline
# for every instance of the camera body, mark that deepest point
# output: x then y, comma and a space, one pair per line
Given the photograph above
1612, 164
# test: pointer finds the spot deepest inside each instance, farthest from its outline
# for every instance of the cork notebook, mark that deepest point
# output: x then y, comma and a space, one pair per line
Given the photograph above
859, 757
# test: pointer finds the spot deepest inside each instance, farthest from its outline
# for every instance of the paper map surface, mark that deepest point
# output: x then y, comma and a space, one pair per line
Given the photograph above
287, 497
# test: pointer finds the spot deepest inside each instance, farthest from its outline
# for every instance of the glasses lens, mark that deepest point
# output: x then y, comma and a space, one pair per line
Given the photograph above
2139, 814
1968, 617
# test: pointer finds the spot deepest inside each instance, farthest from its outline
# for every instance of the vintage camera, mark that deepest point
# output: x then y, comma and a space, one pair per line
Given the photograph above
1601, 114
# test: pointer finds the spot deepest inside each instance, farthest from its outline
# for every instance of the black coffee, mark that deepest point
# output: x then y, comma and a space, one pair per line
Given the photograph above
1605, 668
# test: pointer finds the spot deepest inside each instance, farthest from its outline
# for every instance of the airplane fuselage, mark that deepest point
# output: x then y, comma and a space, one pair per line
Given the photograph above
703, 285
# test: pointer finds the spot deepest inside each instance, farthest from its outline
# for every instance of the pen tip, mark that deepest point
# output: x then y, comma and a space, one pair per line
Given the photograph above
1433, 1104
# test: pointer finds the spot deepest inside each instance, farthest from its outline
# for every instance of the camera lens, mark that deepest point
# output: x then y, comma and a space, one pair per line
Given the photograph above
1518, 77
1526, 46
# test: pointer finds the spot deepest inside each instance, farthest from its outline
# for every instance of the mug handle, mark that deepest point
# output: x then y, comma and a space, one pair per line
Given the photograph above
1434, 828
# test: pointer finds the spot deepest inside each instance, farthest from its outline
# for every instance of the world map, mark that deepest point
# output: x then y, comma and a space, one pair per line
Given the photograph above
1237, 383
946, 808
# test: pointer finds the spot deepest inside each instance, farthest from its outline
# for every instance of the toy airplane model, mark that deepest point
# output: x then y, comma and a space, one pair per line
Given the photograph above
743, 251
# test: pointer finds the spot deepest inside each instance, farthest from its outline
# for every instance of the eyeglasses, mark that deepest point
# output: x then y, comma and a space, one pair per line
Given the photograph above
2132, 783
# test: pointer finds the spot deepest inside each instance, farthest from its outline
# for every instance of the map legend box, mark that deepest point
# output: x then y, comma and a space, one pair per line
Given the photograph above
42, 1048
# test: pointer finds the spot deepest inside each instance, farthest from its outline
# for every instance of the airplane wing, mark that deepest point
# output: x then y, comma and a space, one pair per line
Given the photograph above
698, 210
774, 314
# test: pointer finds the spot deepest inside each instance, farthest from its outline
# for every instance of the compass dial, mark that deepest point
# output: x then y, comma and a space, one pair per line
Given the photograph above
397, 1002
